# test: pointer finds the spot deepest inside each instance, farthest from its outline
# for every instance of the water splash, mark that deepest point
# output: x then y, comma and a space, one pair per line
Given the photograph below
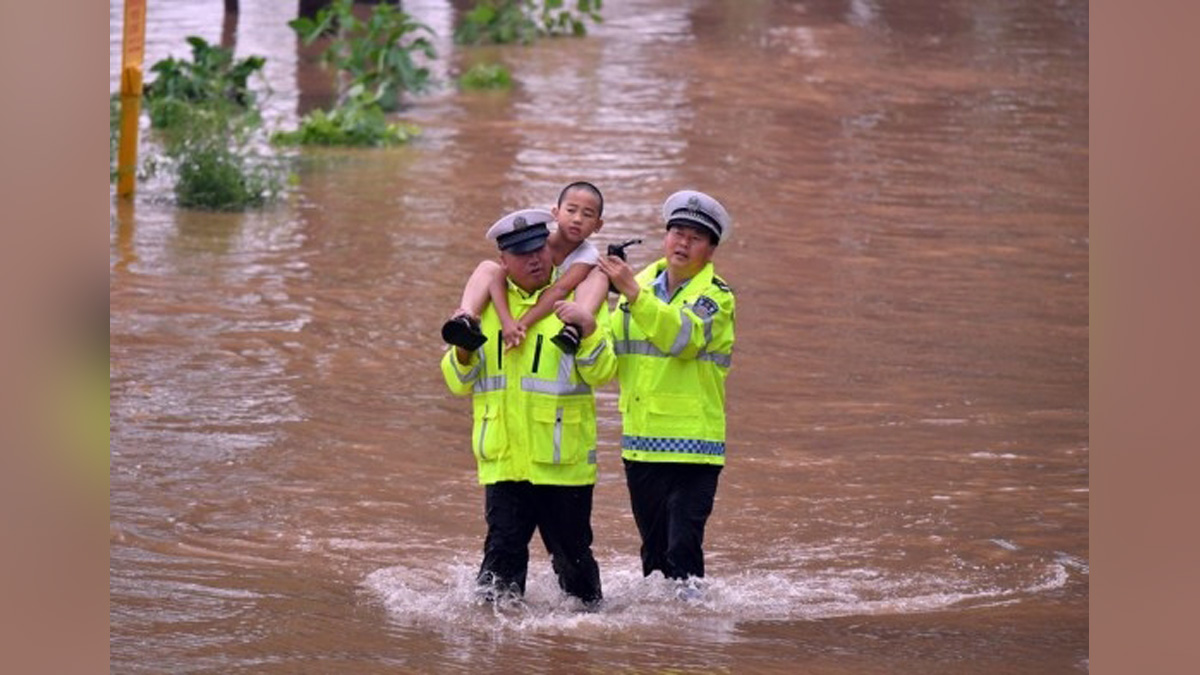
443, 599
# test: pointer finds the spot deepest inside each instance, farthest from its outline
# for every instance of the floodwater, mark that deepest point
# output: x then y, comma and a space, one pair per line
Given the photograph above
907, 484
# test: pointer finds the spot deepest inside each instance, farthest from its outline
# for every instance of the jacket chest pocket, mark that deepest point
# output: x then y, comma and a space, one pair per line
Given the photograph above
674, 414
562, 433
489, 439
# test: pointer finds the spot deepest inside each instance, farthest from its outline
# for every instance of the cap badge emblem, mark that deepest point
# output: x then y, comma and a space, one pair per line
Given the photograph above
519, 223
693, 203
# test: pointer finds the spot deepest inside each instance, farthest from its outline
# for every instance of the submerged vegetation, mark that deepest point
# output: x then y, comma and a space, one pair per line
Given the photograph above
376, 57
215, 160
376, 62
207, 122
357, 122
524, 21
209, 130
486, 76
211, 80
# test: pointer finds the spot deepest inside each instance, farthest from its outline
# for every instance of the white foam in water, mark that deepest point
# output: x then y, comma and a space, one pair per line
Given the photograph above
992, 455
443, 599
1074, 562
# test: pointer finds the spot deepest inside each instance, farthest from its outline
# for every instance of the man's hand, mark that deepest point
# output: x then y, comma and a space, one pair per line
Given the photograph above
568, 311
621, 275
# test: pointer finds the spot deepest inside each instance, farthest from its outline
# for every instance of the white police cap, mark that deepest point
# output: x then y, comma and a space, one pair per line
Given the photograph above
696, 208
521, 231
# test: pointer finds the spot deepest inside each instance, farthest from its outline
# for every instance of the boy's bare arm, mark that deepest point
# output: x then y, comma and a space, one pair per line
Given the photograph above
574, 275
593, 290
498, 290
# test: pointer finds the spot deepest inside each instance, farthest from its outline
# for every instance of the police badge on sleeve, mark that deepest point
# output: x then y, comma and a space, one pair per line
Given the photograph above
704, 307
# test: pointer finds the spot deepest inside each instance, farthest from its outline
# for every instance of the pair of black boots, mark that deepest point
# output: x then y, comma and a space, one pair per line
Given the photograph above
463, 331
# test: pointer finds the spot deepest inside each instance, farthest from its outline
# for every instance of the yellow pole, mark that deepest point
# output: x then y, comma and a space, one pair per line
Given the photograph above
132, 51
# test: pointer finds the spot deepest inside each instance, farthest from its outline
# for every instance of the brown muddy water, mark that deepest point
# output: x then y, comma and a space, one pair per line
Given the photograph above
292, 488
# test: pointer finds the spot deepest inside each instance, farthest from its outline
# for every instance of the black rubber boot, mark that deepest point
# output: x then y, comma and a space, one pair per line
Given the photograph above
568, 338
463, 331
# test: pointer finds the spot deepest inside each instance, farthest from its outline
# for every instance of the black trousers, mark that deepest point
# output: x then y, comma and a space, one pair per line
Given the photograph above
562, 514
671, 504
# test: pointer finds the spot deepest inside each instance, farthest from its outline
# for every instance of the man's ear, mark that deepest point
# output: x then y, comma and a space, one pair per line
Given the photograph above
599, 224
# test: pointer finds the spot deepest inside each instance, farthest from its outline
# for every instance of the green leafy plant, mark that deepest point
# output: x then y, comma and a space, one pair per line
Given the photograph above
523, 21
359, 121
212, 78
211, 176
215, 160
208, 126
486, 76
378, 55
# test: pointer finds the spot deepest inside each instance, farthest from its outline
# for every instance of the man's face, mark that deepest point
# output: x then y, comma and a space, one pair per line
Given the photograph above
530, 271
687, 249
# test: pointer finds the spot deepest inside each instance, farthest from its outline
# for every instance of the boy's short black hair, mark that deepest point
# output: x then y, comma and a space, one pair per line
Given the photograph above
584, 185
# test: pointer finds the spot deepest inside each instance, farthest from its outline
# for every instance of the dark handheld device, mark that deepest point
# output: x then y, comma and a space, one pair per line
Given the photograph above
619, 249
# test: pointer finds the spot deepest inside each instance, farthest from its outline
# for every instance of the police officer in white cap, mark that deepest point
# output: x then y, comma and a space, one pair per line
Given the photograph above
534, 433
674, 339
518, 233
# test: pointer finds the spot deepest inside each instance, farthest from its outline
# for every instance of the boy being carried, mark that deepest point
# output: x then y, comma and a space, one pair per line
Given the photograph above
578, 215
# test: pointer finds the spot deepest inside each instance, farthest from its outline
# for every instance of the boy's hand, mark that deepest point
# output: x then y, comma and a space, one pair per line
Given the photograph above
514, 334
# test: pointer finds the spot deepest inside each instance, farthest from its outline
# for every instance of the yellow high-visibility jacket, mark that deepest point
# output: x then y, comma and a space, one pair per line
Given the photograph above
535, 416
672, 362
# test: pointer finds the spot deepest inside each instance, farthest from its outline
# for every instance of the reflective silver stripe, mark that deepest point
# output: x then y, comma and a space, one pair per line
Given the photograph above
534, 385
490, 383
470, 374
723, 360
560, 387
566, 366
625, 319
479, 369
707, 323
483, 433
558, 413
646, 348
591, 358
684, 336
591, 456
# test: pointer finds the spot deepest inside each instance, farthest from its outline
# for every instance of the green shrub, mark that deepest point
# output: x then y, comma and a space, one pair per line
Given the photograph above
523, 21
359, 121
376, 55
212, 79
215, 163
486, 76
211, 176
207, 124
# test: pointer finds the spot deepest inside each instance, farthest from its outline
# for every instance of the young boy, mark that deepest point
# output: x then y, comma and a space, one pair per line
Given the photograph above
578, 215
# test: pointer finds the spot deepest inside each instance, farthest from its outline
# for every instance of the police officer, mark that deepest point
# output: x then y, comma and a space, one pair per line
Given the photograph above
673, 335
534, 434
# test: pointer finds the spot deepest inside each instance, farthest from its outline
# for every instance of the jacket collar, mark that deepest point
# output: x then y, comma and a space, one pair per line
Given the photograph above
529, 298
703, 278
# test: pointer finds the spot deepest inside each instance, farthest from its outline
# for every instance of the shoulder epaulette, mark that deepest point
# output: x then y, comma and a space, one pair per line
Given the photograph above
720, 283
